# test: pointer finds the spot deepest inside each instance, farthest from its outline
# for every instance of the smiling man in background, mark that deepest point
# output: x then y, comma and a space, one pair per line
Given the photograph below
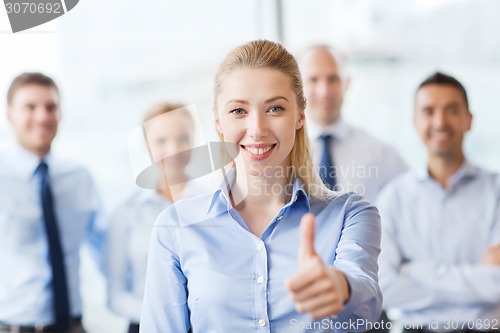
440, 260
47, 206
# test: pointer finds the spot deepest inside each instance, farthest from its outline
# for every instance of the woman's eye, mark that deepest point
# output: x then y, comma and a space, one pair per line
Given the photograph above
276, 108
161, 141
237, 112
183, 139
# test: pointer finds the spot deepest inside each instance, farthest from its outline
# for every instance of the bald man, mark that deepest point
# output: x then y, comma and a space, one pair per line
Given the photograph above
348, 158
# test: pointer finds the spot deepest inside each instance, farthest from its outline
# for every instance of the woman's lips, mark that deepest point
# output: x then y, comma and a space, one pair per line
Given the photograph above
258, 151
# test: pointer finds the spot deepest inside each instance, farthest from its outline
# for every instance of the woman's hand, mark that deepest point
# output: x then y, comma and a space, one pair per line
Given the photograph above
317, 289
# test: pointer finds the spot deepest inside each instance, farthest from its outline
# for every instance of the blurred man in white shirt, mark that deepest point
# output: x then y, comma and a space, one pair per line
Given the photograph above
357, 161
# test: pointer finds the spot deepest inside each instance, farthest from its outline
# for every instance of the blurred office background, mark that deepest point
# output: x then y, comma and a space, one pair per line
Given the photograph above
115, 58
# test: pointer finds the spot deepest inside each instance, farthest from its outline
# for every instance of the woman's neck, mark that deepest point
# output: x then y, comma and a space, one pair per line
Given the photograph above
256, 191
259, 198
172, 192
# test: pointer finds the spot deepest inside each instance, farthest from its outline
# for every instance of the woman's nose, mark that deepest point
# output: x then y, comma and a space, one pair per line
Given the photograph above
257, 126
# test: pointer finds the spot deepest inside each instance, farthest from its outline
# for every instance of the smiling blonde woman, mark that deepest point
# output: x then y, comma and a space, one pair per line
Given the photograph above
271, 249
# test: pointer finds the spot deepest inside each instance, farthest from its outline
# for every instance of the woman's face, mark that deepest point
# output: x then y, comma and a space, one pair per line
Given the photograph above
257, 110
168, 135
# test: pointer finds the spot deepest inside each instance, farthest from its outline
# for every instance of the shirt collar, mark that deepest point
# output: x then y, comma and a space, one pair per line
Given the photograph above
339, 130
466, 171
220, 198
26, 163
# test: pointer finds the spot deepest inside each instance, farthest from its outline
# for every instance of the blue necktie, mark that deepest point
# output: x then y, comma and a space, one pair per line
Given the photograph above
326, 167
59, 283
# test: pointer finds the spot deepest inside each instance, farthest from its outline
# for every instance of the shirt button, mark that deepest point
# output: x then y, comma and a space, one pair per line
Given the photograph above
260, 279
262, 322
279, 217
260, 247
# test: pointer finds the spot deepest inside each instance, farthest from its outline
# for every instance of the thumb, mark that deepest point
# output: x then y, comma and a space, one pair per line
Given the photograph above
306, 249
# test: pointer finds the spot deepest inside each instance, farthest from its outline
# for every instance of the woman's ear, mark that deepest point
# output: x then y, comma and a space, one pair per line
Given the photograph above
300, 120
216, 119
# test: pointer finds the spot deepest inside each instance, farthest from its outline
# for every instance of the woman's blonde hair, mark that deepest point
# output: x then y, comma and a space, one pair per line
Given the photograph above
264, 54
163, 107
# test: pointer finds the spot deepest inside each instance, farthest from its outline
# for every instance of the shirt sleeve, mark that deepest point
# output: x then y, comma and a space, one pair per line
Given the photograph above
465, 283
458, 284
414, 285
165, 307
400, 291
495, 228
120, 298
356, 257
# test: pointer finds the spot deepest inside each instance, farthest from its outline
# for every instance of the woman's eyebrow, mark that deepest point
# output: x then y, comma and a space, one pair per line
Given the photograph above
240, 101
276, 98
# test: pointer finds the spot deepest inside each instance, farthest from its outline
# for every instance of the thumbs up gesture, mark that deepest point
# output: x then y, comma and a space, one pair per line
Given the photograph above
317, 289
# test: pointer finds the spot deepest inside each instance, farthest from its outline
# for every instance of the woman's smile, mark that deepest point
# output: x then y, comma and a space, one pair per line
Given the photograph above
259, 151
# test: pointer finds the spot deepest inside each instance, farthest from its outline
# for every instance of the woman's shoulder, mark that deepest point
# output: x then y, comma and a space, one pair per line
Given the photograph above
342, 202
